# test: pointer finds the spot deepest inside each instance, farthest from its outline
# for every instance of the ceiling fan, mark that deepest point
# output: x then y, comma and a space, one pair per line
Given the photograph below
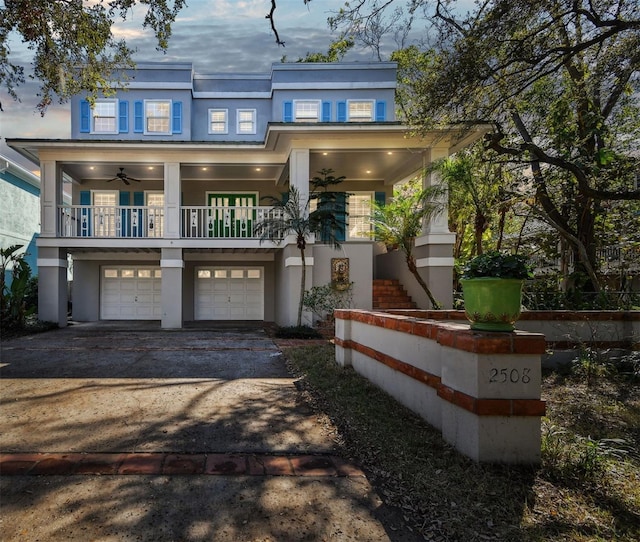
122, 176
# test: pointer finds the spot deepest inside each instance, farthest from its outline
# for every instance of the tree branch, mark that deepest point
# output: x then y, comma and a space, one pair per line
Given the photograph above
273, 24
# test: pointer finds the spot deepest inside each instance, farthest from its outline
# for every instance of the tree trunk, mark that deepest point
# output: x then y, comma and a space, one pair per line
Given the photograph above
411, 264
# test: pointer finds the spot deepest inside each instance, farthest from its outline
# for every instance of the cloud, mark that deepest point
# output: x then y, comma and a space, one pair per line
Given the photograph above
220, 36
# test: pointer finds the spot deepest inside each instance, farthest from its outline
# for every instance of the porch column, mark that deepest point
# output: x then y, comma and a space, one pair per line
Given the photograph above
172, 266
292, 269
434, 248
172, 190
299, 172
52, 285
50, 197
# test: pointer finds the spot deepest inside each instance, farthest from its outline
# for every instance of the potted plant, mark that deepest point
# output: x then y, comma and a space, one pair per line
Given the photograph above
492, 290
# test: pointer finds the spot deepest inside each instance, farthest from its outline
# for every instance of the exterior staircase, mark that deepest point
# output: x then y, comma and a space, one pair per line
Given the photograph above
389, 294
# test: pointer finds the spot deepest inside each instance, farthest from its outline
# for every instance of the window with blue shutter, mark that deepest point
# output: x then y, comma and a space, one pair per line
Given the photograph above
176, 118
381, 111
287, 112
326, 111
342, 111
123, 116
138, 117
84, 226
85, 117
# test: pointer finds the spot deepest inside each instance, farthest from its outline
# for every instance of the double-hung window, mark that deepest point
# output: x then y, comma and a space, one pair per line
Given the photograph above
157, 115
104, 117
246, 121
306, 110
360, 211
360, 110
218, 121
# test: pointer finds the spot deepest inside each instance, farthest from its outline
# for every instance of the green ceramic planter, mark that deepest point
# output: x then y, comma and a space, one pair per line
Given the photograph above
492, 304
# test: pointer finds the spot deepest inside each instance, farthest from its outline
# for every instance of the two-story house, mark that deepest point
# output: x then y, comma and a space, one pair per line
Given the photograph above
168, 177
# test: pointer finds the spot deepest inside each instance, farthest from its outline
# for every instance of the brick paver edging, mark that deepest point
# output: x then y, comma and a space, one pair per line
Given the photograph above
168, 463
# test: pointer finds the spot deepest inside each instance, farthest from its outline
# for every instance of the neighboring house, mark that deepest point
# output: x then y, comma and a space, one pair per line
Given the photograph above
19, 210
168, 177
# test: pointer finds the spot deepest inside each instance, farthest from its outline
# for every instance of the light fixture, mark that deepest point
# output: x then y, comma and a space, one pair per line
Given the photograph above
92, 168
258, 169
204, 169
389, 152
368, 171
325, 153
150, 168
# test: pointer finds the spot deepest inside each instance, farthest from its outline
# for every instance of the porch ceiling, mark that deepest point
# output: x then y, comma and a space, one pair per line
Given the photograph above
356, 165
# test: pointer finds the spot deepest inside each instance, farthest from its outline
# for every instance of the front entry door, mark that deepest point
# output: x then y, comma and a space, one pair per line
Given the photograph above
232, 216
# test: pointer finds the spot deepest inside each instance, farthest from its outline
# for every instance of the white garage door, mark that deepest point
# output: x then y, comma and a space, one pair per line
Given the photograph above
131, 293
229, 293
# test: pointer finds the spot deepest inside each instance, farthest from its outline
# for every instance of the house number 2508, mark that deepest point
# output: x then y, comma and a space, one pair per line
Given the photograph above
502, 376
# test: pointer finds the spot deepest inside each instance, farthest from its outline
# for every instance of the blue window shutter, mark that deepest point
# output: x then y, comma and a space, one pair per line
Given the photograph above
381, 111
123, 116
176, 118
341, 215
326, 111
125, 216
138, 201
342, 111
287, 112
138, 117
84, 226
85, 118
380, 199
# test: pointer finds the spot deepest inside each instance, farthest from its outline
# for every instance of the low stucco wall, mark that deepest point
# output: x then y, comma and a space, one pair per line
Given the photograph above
566, 332
482, 390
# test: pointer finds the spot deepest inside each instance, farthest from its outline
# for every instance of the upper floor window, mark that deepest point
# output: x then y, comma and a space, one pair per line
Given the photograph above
246, 121
218, 121
306, 111
157, 114
360, 110
104, 117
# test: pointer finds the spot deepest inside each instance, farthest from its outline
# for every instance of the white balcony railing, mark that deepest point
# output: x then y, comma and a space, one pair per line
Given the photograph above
224, 222
107, 221
148, 222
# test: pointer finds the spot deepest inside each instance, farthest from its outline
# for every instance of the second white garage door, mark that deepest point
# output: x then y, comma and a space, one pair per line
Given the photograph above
229, 293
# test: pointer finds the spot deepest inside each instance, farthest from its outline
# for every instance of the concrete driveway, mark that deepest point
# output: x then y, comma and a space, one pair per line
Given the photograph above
127, 432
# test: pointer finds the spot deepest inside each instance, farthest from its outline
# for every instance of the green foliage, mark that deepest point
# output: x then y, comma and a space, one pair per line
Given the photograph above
323, 300
292, 216
13, 305
570, 457
336, 52
398, 222
499, 265
74, 49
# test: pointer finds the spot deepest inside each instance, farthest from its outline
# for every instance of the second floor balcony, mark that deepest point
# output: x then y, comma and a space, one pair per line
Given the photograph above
125, 222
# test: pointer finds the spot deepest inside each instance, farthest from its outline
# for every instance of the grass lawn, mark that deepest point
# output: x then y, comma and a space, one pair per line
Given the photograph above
587, 487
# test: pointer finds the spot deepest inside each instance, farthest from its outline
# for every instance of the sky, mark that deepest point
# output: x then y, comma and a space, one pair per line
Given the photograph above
214, 35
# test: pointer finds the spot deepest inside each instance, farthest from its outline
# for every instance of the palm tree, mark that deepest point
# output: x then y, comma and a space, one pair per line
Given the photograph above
290, 217
399, 222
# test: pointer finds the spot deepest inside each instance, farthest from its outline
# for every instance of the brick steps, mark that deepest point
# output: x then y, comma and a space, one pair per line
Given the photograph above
389, 294
16, 464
